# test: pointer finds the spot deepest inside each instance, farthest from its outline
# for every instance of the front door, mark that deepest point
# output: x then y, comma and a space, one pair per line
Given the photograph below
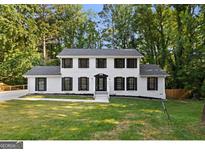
101, 83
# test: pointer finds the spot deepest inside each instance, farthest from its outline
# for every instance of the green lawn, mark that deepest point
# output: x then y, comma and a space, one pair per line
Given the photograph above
59, 96
123, 118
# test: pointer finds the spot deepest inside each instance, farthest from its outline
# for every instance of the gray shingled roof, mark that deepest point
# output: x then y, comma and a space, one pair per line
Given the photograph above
99, 52
44, 70
151, 70
145, 70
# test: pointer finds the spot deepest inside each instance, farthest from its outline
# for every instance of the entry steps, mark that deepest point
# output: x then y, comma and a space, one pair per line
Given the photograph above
101, 96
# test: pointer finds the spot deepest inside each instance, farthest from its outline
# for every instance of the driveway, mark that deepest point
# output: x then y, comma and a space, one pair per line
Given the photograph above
7, 95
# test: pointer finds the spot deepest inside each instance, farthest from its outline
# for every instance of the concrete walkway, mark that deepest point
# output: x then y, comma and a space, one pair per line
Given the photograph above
64, 100
8, 95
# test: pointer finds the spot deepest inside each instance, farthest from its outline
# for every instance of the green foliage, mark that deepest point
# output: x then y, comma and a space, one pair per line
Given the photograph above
52, 62
117, 31
16, 64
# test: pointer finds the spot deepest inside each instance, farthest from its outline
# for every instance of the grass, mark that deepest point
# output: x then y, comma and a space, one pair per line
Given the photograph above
123, 118
59, 96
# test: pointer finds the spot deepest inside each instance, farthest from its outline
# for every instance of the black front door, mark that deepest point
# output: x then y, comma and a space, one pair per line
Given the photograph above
101, 83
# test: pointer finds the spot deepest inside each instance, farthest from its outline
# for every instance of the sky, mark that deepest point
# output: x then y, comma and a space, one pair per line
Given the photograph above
94, 7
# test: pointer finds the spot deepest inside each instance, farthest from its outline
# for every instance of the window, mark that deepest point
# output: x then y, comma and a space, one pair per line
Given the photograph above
131, 83
152, 83
40, 84
119, 83
101, 63
67, 84
83, 84
119, 63
132, 63
83, 63
67, 63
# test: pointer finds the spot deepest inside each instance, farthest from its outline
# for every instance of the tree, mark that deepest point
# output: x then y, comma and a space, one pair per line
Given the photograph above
117, 29
17, 29
16, 64
48, 28
19, 42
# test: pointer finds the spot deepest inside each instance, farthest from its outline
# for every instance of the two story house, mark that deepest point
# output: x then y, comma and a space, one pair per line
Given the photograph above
99, 71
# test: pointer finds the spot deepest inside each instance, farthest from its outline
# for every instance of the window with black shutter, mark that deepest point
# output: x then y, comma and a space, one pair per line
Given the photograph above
119, 83
131, 83
101, 63
132, 63
67, 84
83, 84
152, 83
119, 63
41, 84
83, 63
67, 63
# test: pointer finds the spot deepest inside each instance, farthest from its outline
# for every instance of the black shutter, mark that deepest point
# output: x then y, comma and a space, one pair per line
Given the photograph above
148, 83
123, 84
115, 83
87, 83
45, 84
135, 65
79, 62
63, 87
156, 83
87, 63
135, 83
97, 61
71, 84
71, 63
36, 85
79, 84
127, 80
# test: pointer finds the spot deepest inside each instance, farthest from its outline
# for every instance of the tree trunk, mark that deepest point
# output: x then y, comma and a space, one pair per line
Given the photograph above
203, 115
44, 48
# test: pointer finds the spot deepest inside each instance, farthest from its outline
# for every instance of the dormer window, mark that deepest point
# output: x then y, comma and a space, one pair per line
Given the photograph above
132, 63
83, 63
67, 62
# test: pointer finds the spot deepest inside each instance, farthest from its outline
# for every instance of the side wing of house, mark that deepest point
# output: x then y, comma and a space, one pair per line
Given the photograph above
152, 81
44, 79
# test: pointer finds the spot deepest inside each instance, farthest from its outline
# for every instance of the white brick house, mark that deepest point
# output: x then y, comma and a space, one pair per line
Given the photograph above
92, 71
